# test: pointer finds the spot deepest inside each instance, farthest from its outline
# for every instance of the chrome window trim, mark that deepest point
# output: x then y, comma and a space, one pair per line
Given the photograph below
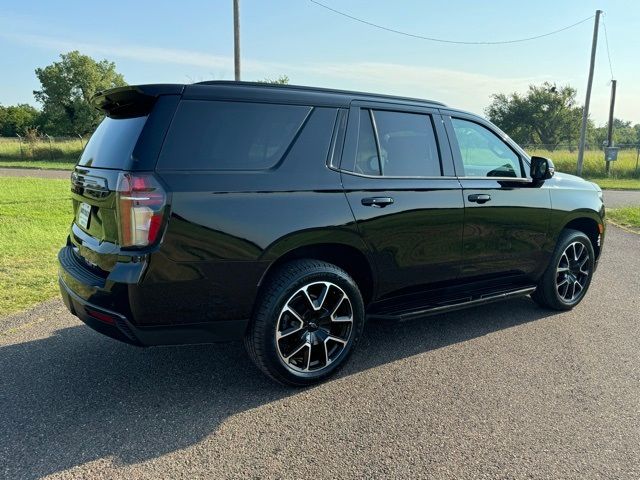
440, 177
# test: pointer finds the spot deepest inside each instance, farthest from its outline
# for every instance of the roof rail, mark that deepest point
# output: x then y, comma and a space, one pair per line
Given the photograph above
317, 89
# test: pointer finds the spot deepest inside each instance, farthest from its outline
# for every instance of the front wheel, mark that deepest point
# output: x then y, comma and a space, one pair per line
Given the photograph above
568, 276
307, 322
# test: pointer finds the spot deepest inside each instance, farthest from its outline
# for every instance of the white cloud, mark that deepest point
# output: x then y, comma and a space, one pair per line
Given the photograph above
132, 52
459, 88
456, 87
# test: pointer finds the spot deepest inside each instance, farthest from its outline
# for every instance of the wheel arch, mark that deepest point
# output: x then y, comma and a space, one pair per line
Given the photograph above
349, 256
589, 224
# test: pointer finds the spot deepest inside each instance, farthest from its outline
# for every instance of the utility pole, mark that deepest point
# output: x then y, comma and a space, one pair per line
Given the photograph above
236, 39
585, 111
610, 126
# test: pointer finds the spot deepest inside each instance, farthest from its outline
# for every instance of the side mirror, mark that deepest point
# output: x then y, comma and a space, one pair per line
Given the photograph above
541, 169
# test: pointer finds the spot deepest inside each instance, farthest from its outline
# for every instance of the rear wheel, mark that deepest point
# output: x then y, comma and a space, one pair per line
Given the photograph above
307, 322
568, 276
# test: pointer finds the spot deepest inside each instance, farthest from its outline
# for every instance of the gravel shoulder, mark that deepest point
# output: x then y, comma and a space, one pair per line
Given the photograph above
503, 391
34, 173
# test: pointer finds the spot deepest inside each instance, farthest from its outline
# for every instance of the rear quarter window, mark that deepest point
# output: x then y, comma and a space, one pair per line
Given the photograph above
217, 135
111, 145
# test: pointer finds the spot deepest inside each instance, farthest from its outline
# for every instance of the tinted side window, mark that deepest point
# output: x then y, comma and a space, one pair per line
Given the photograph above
212, 135
407, 144
367, 161
112, 144
483, 153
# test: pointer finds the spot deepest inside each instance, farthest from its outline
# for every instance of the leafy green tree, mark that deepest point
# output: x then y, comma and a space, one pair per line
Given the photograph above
67, 88
546, 115
624, 133
16, 119
281, 80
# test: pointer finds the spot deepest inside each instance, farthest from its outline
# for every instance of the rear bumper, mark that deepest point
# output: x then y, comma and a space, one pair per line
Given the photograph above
104, 306
107, 322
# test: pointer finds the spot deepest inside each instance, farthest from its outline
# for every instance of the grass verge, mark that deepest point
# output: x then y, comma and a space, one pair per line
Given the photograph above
34, 218
627, 217
617, 183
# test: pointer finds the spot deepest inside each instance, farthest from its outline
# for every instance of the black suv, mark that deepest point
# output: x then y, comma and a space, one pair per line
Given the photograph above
287, 215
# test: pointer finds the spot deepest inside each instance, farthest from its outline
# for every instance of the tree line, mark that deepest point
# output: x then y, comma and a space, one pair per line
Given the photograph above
547, 115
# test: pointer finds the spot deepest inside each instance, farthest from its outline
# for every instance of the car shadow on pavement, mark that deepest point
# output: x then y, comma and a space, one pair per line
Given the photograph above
76, 396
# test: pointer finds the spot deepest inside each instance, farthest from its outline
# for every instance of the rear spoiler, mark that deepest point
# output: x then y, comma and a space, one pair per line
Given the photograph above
133, 100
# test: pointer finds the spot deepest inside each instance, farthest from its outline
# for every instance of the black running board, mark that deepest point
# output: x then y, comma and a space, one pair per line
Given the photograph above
458, 304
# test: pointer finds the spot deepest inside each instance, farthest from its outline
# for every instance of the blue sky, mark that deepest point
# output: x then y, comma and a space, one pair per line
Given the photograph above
183, 42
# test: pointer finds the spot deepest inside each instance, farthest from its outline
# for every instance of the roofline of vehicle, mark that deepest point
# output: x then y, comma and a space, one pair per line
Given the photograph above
155, 89
306, 88
150, 89
465, 112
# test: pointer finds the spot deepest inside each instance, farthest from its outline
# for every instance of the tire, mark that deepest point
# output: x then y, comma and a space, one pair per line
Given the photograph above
567, 278
307, 320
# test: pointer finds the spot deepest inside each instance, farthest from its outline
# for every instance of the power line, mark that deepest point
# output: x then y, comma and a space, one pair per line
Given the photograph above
606, 41
441, 40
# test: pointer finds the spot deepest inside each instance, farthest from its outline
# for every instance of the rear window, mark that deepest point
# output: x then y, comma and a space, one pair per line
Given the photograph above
212, 135
111, 145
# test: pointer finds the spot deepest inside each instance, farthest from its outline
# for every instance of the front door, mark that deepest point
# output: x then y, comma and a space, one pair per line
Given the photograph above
506, 215
404, 195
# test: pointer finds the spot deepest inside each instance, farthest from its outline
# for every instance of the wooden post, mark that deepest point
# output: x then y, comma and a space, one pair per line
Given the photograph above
50, 147
610, 126
585, 110
236, 39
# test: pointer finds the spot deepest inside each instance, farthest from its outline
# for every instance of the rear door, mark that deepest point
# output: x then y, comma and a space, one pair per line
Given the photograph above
400, 184
506, 215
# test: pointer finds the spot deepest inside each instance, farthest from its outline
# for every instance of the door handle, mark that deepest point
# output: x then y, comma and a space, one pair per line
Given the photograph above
378, 202
479, 197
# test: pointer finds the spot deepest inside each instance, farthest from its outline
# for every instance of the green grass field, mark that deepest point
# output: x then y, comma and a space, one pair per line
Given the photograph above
627, 217
618, 183
594, 164
35, 215
61, 154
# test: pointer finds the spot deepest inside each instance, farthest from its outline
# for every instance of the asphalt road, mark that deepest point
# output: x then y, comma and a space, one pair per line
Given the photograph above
621, 198
503, 391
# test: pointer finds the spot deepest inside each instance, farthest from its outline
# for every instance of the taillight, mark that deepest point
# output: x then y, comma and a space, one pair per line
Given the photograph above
141, 201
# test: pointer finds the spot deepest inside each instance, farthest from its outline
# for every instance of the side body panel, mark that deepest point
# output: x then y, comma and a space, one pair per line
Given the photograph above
226, 228
417, 240
507, 234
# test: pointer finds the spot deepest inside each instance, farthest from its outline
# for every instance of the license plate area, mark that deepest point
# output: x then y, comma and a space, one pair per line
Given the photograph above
84, 215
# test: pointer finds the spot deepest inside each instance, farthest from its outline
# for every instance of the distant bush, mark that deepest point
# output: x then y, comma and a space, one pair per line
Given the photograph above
42, 152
